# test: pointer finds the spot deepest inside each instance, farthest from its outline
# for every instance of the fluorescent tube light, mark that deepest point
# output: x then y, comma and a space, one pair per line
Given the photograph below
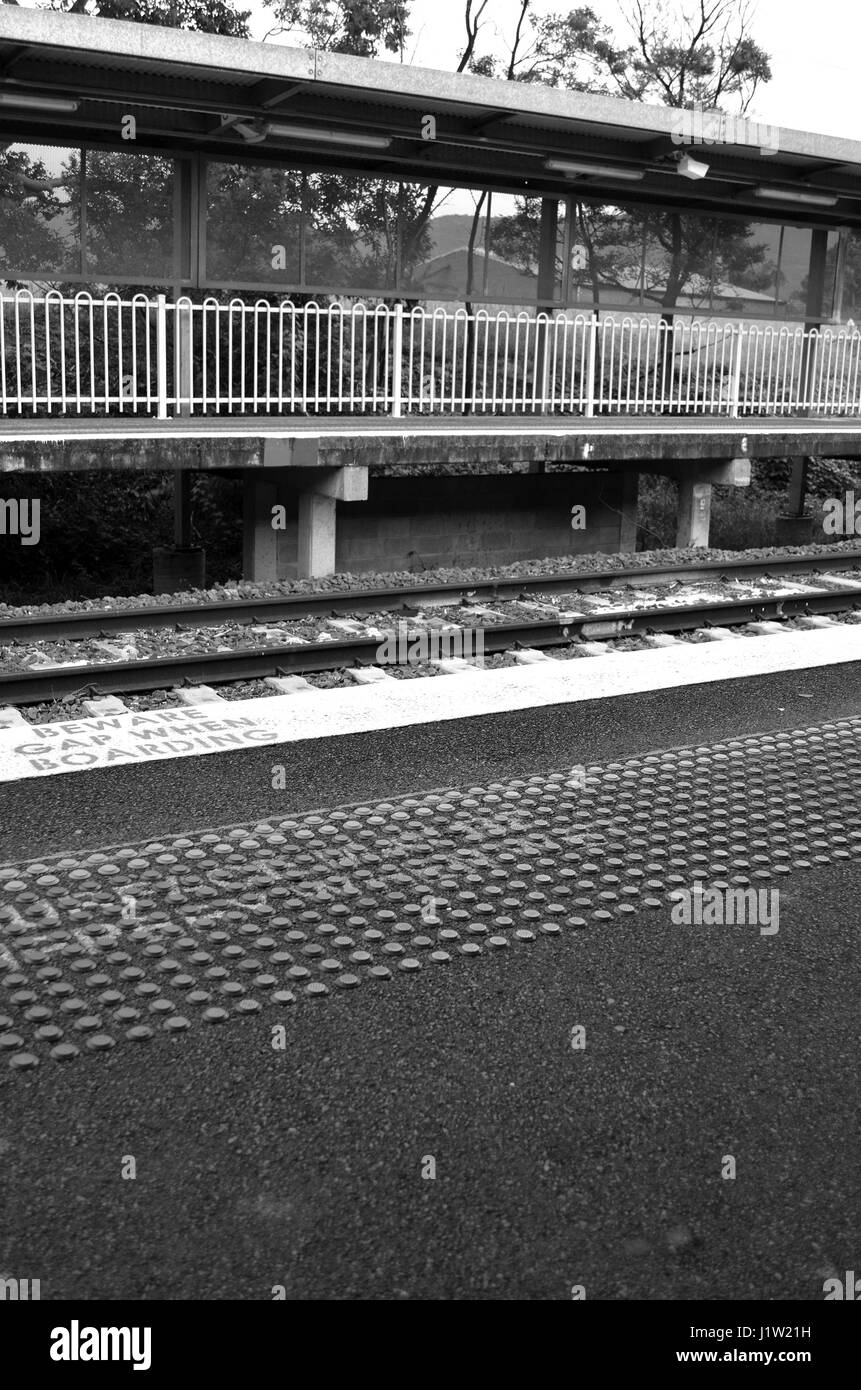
575, 169
329, 137
792, 195
26, 102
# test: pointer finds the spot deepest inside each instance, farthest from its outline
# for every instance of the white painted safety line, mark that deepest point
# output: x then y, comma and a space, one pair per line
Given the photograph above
45, 750
405, 428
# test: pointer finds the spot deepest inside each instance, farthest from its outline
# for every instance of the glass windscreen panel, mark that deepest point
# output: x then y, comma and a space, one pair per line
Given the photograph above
444, 242
514, 250
746, 264
351, 233
40, 211
253, 225
130, 208
474, 245
607, 266
666, 262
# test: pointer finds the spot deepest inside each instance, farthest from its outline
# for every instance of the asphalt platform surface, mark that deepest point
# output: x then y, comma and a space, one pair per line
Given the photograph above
307, 1166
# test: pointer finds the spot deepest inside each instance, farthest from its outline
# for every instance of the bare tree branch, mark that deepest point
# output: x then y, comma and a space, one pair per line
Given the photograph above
512, 62
472, 23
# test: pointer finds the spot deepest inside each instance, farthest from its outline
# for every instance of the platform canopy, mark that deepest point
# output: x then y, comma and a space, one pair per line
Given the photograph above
214, 94
135, 154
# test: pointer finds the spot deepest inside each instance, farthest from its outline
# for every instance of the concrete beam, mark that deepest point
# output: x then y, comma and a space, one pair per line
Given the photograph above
162, 446
291, 453
341, 484
611, 444
731, 472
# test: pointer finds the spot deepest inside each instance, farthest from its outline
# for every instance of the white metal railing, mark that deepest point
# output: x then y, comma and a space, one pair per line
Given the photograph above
145, 356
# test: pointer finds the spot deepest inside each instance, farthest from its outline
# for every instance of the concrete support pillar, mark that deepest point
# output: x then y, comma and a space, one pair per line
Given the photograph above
694, 479
320, 491
259, 539
317, 528
182, 507
794, 527
628, 526
797, 486
693, 513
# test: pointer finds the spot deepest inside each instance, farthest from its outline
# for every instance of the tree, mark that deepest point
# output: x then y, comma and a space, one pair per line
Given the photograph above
31, 177
700, 52
359, 27
700, 55
29, 211
203, 16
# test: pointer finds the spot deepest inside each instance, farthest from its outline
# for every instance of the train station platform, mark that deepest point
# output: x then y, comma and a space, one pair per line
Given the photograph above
314, 467
113, 946
52, 444
418, 998
448, 1041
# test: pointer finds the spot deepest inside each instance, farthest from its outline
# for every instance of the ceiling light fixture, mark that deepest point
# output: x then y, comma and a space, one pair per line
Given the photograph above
253, 134
691, 168
25, 102
575, 170
329, 137
793, 195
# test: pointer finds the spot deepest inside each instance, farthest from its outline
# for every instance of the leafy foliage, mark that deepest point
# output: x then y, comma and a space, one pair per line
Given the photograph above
202, 16
98, 530
359, 27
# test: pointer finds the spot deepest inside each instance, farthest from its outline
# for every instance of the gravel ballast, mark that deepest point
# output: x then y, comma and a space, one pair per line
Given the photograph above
340, 583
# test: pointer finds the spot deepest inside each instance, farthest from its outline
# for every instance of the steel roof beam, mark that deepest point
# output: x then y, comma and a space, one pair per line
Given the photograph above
68, 39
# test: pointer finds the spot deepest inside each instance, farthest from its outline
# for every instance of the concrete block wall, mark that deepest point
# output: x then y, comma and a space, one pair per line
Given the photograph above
424, 522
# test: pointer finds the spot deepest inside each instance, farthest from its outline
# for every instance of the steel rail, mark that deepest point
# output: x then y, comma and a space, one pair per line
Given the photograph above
51, 627
253, 663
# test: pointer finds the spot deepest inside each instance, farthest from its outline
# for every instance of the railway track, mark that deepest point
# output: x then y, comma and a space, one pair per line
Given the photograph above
103, 622
829, 587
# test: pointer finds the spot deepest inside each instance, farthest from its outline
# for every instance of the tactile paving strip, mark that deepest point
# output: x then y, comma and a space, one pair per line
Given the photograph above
199, 929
